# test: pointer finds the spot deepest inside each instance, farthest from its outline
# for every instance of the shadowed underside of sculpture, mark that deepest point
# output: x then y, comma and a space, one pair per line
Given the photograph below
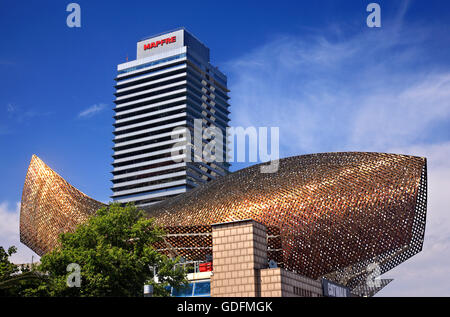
328, 214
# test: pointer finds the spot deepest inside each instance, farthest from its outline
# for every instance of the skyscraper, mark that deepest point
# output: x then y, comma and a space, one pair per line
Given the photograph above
161, 98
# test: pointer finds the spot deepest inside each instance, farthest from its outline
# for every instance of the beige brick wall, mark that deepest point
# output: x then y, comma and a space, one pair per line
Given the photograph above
271, 282
240, 265
239, 251
279, 282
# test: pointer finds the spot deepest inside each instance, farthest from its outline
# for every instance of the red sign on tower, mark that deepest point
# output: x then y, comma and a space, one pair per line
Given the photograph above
168, 40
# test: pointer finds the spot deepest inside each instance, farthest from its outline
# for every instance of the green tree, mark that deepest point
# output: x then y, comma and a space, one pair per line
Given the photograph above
115, 255
19, 280
6, 267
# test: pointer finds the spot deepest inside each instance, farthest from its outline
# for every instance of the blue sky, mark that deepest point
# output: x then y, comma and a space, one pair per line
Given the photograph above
312, 68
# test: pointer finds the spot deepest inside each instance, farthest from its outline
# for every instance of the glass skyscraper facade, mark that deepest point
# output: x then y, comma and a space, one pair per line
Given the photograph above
161, 99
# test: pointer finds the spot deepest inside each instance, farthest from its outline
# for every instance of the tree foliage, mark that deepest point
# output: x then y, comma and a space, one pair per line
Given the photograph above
6, 267
115, 255
19, 280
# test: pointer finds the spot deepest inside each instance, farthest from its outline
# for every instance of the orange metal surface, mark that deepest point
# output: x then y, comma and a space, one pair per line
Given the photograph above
328, 214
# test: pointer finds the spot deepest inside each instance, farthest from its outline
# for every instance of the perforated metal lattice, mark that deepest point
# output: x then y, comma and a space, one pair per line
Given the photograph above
335, 212
50, 206
327, 214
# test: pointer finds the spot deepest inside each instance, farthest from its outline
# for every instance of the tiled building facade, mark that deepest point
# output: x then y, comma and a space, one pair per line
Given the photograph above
241, 265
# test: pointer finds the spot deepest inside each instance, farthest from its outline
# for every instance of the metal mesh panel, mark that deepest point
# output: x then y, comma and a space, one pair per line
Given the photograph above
50, 206
328, 214
335, 212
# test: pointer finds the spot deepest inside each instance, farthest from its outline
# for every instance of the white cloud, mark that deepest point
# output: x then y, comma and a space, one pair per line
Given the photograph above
91, 111
426, 274
404, 116
10, 108
9, 233
374, 91
362, 92
21, 115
